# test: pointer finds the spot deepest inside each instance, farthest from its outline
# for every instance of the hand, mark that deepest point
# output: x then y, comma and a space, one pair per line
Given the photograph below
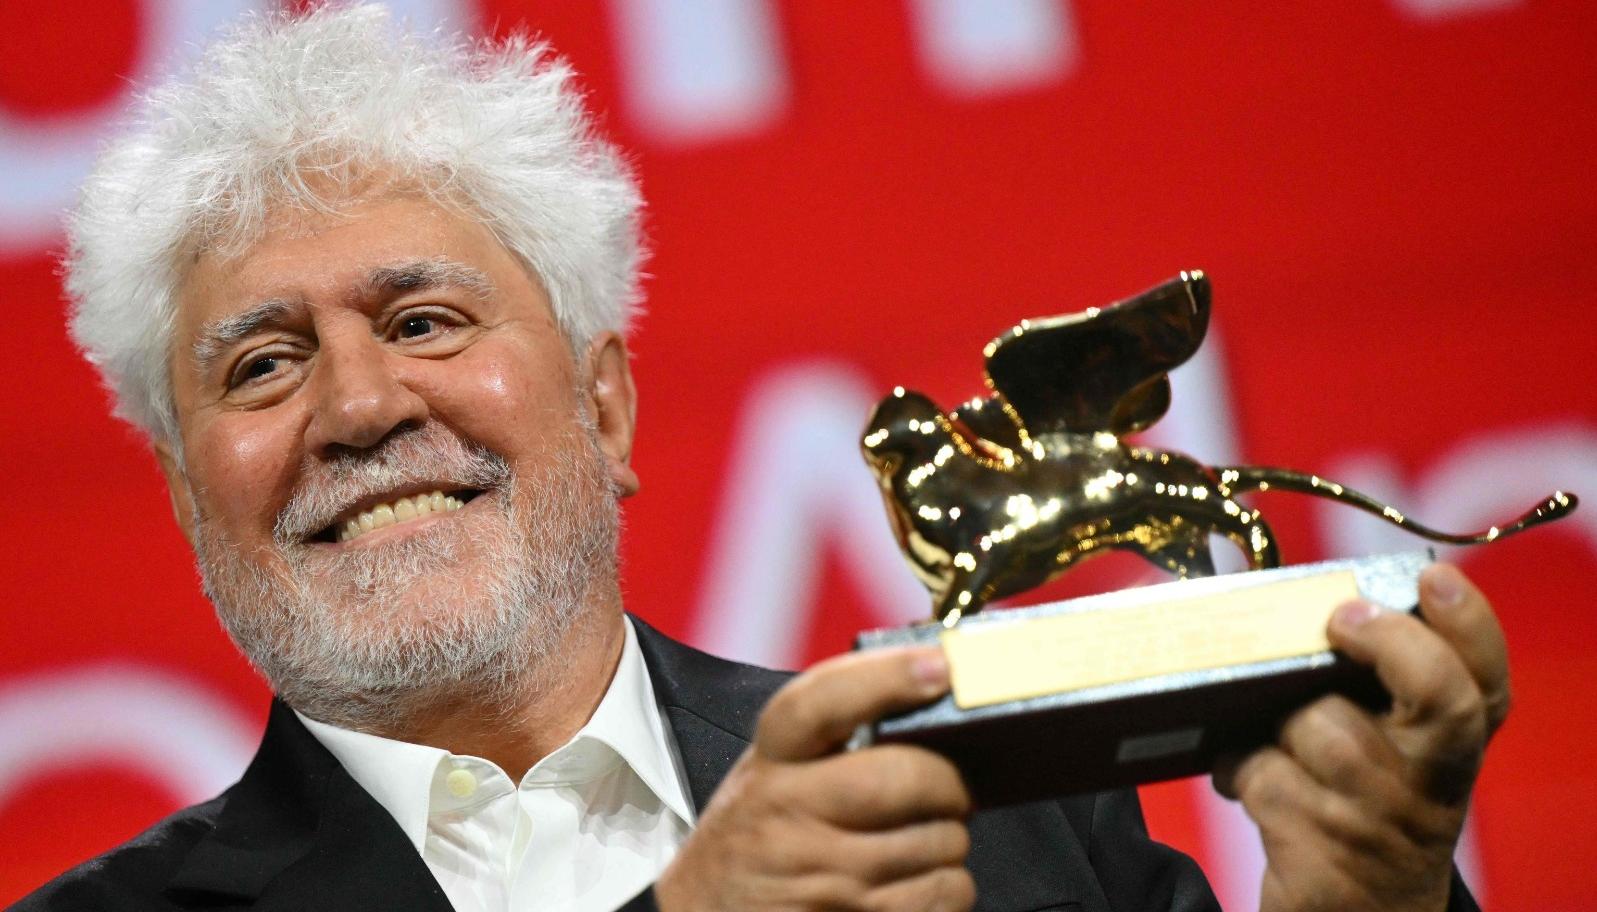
797, 825
1364, 812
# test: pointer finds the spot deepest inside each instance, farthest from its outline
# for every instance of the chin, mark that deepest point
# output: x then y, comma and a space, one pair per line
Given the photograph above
476, 605
363, 637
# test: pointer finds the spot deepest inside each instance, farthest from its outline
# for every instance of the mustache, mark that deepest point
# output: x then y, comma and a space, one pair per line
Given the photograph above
427, 455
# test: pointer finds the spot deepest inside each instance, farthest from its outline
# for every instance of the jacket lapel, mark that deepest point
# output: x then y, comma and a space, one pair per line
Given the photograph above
297, 832
712, 705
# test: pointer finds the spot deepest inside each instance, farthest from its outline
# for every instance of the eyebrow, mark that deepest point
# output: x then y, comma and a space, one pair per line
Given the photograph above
216, 336
418, 275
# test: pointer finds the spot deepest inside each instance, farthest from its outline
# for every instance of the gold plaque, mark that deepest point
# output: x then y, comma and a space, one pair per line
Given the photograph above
1162, 634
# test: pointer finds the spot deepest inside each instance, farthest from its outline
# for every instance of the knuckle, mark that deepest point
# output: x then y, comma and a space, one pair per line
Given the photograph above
798, 708
803, 723
800, 703
1465, 715
1498, 705
895, 765
1428, 689
1341, 755
1263, 785
784, 793
1335, 740
907, 777
1351, 825
874, 787
785, 695
777, 717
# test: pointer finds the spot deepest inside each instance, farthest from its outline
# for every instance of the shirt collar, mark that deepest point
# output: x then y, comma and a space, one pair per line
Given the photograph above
396, 773
628, 720
401, 775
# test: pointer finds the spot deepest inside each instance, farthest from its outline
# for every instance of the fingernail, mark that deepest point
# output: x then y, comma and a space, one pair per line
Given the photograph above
1354, 615
1445, 585
931, 668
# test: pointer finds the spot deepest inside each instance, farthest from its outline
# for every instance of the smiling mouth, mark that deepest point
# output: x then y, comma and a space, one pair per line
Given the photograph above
394, 512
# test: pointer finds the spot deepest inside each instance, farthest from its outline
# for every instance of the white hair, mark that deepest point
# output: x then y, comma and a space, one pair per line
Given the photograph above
300, 112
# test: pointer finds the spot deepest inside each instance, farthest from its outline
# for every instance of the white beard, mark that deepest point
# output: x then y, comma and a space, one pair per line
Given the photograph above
368, 637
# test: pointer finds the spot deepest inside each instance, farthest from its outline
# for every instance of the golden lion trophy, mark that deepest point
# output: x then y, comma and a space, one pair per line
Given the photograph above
1007, 491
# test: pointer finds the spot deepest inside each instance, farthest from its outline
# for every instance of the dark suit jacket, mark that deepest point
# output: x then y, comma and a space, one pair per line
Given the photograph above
296, 832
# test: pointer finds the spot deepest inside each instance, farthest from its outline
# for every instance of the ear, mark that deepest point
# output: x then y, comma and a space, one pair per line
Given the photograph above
613, 403
177, 489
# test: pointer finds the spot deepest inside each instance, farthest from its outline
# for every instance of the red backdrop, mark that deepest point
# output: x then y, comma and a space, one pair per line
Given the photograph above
1394, 200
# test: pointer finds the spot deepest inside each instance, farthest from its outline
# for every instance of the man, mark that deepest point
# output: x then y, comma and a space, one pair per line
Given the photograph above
367, 296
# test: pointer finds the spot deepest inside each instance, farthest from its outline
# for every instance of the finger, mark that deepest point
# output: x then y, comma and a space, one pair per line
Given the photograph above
1462, 616
949, 889
1290, 807
888, 855
1265, 782
1438, 718
1343, 748
885, 786
816, 712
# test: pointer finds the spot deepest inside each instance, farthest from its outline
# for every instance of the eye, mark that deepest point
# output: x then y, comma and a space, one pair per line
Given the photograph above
260, 367
416, 327
434, 323
256, 369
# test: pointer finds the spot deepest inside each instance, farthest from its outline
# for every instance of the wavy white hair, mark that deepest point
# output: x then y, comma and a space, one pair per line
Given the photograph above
288, 111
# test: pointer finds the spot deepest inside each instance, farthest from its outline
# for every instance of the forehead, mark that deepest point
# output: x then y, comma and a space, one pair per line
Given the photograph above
320, 257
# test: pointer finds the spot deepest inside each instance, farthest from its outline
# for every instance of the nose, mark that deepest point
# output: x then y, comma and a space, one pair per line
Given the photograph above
359, 399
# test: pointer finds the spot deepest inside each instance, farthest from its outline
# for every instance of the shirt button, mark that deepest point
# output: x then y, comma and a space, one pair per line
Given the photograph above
461, 783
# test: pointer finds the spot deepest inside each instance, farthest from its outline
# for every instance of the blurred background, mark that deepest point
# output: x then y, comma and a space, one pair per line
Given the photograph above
1394, 199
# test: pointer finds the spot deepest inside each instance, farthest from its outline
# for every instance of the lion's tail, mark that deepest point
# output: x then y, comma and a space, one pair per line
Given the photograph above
1262, 478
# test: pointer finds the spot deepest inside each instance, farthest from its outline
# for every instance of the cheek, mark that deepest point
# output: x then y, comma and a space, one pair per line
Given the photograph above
506, 399
239, 469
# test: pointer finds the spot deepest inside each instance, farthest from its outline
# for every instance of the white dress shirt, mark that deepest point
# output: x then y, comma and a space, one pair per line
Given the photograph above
588, 827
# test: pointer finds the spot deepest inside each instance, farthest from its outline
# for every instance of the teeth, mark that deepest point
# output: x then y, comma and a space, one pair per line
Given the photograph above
401, 510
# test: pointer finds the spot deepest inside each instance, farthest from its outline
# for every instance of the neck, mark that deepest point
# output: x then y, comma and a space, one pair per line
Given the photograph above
519, 726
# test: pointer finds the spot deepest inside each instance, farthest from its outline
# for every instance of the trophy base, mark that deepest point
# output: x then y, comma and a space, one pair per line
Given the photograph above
1140, 685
